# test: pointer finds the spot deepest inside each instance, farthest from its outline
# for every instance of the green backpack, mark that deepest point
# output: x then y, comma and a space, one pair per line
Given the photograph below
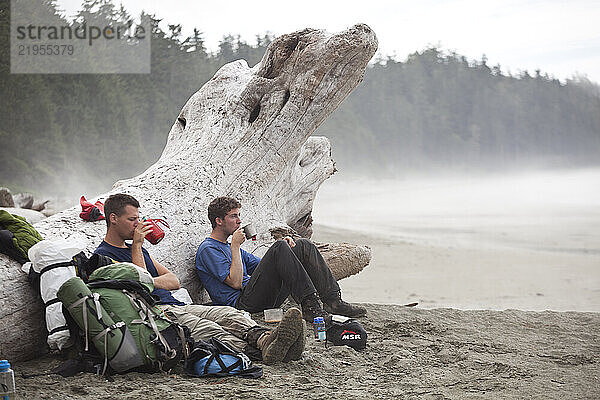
117, 313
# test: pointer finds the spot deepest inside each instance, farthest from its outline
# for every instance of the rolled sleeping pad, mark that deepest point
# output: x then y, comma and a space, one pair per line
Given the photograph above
51, 259
51, 278
112, 339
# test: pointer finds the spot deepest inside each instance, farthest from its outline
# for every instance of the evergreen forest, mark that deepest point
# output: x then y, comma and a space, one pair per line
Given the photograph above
435, 110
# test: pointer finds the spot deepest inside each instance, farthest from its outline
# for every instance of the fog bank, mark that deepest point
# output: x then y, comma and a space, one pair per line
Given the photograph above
554, 210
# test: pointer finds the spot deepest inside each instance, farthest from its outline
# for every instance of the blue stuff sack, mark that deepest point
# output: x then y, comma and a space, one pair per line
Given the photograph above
216, 359
215, 364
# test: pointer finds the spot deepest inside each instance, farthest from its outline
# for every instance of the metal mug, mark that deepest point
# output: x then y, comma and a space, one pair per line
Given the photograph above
249, 231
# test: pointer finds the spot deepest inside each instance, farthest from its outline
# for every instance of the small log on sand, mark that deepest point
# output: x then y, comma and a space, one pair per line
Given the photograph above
24, 200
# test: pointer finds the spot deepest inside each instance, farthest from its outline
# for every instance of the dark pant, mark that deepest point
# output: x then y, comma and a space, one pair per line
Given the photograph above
284, 270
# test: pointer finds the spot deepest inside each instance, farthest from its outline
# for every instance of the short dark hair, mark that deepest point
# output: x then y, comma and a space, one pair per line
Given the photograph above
219, 207
115, 204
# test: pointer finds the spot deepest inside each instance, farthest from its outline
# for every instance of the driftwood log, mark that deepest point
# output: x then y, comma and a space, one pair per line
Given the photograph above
32, 216
245, 133
23, 200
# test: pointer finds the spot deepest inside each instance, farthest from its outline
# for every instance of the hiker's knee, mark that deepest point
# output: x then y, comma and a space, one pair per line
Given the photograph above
279, 245
225, 311
278, 250
229, 310
304, 243
304, 247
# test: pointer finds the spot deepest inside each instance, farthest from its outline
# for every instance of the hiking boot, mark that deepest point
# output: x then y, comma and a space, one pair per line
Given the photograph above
276, 344
311, 308
340, 307
296, 349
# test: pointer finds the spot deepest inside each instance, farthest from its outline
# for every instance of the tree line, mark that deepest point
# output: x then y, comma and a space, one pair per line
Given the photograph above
438, 110
432, 110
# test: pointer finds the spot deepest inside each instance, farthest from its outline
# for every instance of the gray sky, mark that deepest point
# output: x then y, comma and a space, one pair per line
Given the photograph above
558, 37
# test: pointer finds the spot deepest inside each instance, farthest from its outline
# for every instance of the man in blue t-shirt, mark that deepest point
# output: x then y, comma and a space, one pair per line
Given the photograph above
285, 343
236, 278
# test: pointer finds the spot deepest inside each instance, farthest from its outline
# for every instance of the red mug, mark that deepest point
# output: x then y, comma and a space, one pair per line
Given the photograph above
156, 234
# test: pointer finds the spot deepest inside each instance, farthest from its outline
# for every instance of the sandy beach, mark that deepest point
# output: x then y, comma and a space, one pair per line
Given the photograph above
466, 278
421, 352
526, 241
412, 353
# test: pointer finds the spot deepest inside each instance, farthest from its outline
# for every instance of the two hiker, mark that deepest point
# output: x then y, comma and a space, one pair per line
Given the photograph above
235, 279
284, 343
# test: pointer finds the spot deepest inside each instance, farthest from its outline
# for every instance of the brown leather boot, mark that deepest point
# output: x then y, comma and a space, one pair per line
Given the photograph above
339, 307
311, 308
276, 344
296, 349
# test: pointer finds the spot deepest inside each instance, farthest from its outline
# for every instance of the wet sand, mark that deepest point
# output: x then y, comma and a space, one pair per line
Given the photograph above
468, 277
527, 240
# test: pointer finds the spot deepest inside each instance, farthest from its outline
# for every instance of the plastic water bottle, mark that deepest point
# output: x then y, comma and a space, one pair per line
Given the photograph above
7, 381
319, 328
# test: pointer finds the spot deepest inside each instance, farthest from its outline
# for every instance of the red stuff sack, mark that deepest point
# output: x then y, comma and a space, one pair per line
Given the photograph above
91, 212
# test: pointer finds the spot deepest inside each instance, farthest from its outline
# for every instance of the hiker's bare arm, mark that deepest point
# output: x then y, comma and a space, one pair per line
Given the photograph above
165, 279
137, 257
234, 279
